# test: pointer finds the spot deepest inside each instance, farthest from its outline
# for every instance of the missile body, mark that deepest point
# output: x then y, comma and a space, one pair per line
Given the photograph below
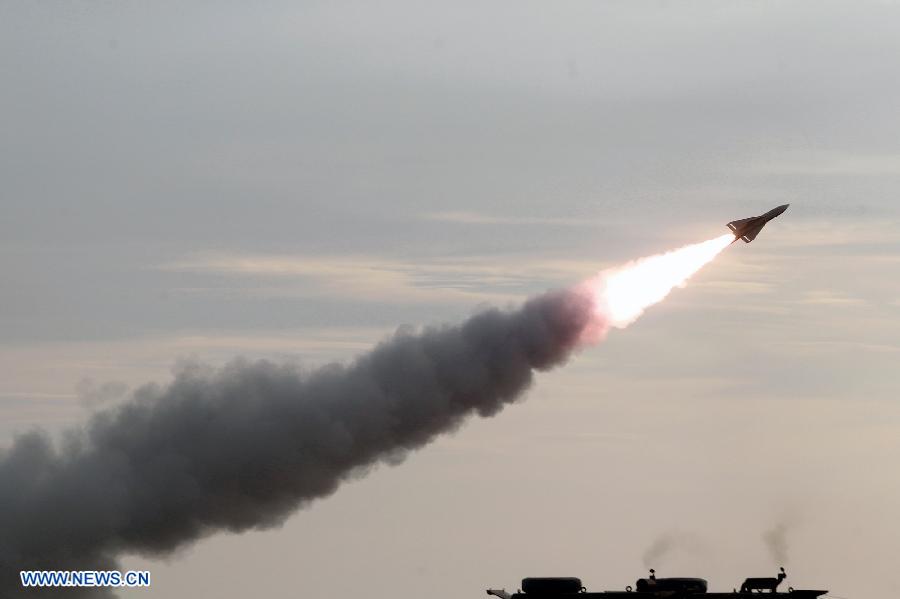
748, 228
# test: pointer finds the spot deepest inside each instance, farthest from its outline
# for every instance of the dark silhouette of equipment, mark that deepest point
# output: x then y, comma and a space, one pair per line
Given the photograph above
763, 584
653, 588
550, 586
652, 584
748, 228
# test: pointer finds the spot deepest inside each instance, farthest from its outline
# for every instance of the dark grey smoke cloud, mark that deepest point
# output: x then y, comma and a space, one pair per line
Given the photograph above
244, 446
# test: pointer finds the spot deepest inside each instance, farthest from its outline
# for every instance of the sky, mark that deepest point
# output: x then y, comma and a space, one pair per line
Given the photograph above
195, 181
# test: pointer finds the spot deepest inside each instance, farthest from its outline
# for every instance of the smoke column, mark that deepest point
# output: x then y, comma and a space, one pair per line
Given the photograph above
671, 542
776, 540
244, 446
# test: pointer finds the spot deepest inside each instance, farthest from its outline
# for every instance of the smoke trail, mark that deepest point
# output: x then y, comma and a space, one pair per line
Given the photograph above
777, 543
244, 446
668, 543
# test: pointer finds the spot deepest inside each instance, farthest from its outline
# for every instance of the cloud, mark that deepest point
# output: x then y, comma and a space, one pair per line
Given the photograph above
833, 164
825, 297
733, 287
498, 279
830, 233
478, 218
361, 277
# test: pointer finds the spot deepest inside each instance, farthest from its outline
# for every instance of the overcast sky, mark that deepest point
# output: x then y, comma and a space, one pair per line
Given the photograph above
199, 180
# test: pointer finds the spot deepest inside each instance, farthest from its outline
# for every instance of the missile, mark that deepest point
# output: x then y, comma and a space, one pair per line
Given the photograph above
748, 228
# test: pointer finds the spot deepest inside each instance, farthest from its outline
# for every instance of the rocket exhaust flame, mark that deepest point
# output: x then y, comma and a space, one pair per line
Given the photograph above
624, 293
244, 446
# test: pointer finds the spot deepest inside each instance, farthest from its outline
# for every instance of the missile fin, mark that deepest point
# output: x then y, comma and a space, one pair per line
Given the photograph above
736, 224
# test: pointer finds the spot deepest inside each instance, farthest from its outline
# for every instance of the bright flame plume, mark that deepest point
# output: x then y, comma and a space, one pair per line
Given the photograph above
623, 293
